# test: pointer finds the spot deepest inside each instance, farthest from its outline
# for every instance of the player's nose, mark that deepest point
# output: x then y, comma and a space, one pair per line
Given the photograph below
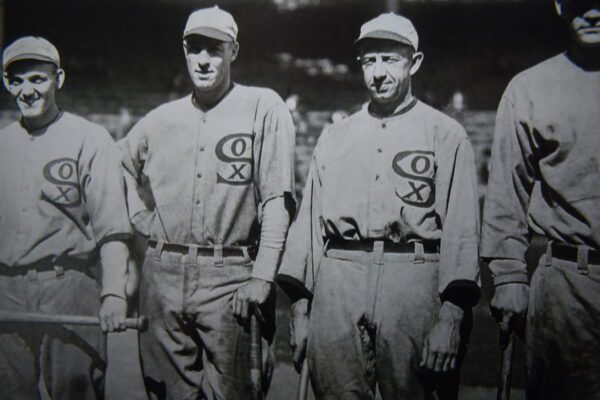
379, 70
203, 58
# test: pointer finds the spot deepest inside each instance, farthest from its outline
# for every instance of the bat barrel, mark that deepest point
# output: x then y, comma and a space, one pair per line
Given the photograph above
255, 358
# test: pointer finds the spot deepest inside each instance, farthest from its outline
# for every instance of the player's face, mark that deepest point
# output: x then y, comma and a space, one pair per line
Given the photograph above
583, 17
387, 68
33, 85
209, 61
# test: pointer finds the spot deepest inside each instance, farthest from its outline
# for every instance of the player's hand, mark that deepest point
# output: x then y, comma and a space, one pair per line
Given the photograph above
509, 308
133, 278
254, 293
299, 332
441, 345
113, 312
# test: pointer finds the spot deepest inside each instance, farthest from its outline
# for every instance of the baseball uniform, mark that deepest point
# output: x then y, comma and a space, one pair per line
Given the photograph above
212, 175
61, 198
386, 231
544, 179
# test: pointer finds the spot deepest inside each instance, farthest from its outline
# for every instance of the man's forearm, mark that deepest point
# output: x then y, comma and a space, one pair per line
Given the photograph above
113, 258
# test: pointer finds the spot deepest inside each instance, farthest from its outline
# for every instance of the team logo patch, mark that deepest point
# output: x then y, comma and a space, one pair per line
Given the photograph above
417, 168
235, 151
62, 174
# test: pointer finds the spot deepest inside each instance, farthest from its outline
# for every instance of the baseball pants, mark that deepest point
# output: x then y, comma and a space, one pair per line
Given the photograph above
563, 331
370, 316
195, 348
65, 360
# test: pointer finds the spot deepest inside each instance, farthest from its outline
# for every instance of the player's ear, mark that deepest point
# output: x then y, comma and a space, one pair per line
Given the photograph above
558, 6
184, 45
60, 78
235, 48
417, 59
5, 81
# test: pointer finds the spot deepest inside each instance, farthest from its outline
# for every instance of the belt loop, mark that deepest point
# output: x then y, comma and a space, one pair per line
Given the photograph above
548, 254
582, 260
193, 255
419, 253
60, 272
378, 252
246, 254
32, 275
218, 255
159, 249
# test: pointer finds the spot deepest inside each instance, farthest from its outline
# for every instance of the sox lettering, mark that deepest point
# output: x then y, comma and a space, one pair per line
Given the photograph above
62, 173
417, 167
235, 151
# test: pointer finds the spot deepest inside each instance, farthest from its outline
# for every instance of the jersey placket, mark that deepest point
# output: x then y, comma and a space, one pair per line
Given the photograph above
376, 159
199, 198
26, 198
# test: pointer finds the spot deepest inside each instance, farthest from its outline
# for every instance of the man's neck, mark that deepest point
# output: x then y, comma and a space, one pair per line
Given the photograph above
587, 58
205, 100
383, 110
41, 122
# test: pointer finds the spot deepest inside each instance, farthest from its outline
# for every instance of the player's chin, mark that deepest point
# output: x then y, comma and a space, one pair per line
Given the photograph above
588, 37
31, 110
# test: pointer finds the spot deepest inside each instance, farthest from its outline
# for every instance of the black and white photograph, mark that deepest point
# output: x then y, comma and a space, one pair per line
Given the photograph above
300, 200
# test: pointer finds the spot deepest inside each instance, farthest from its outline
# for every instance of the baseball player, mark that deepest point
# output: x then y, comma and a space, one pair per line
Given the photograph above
62, 202
544, 175
381, 260
220, 165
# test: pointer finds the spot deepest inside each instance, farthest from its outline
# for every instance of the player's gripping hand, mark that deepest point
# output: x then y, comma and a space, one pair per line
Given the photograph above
441, 344
255, 293
113, 312
509, 308
299, 332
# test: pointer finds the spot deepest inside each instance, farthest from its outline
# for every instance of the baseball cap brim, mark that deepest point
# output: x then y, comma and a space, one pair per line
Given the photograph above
385, 35
26, 56
209, 32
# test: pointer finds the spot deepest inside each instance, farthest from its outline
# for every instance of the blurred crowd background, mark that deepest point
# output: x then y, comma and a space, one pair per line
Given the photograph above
124, 57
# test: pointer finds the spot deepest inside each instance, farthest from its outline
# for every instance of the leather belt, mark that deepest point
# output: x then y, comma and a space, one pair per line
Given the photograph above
208, 251
429, 246
47, 264
568, 252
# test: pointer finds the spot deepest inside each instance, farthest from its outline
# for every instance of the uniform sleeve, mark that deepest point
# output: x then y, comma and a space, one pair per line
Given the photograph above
505, 234
456, 186
134, 151
304, 245
274, 226
274, 151
103, 189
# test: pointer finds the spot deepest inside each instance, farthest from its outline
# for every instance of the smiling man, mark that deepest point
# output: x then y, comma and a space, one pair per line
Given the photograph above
220, 166
62, 202
381, 261
544, 175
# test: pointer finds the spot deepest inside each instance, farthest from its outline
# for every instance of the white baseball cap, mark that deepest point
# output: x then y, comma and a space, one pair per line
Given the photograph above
212, 22
390, 26
30, 48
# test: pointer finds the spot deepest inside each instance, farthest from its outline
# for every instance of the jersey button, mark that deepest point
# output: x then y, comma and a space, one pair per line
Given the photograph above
199, 175
384, 125
377, 177
201, 149
379, 150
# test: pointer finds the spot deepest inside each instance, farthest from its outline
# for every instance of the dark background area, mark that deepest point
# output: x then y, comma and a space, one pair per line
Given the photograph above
128, 53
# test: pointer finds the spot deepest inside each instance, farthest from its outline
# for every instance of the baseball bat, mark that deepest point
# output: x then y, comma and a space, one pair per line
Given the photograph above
303, 383
506, 369
255, 358
140, 323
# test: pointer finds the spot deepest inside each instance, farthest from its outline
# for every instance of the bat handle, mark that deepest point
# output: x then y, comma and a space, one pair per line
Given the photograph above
139, 323
506, 369
255, 358
303, 383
